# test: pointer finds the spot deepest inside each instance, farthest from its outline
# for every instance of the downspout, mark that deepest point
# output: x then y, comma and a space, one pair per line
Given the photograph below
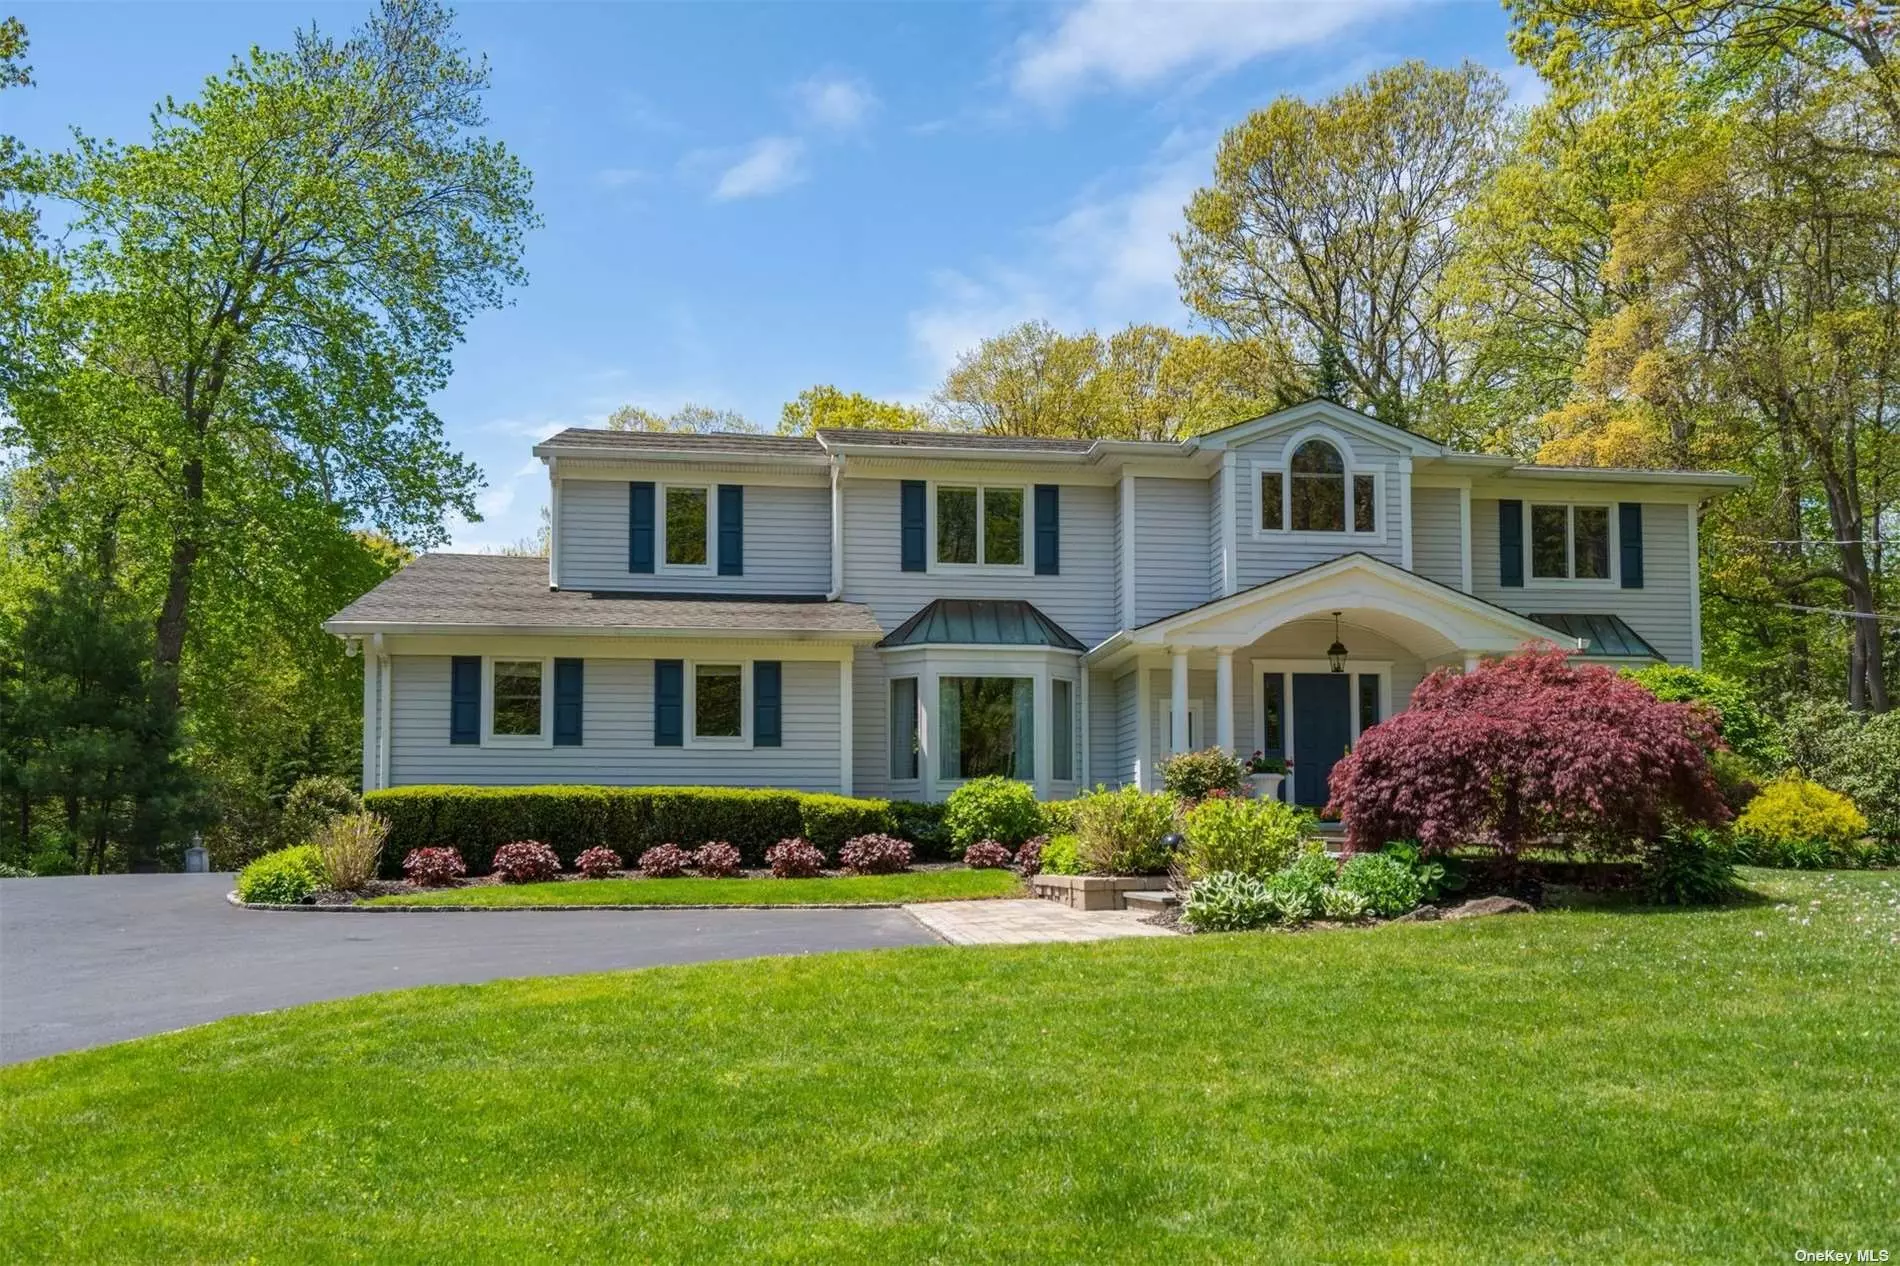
382, 719
837, 529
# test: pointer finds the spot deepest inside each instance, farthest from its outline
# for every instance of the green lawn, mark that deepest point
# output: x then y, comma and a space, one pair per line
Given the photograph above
1584, 1086
922, 885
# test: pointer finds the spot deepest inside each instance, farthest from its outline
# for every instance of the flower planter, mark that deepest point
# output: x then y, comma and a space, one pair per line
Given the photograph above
1094, 892
1266, 786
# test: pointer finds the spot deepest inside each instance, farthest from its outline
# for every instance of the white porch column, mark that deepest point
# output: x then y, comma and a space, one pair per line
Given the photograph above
1178, 704
372, 703
1471, 661
1224, 700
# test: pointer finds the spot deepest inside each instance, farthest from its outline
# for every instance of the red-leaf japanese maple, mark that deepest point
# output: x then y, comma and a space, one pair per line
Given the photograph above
1528, 750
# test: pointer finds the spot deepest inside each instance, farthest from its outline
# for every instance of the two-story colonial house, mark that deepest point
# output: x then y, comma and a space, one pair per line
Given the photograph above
891, 613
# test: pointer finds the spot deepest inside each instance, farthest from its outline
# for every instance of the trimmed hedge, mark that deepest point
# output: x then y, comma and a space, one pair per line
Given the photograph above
629, 820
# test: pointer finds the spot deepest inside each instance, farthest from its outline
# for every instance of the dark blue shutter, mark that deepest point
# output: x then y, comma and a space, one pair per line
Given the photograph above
765, 703
567, 703
1511, 544
912, 495
1048, 530
1629, 527
465, 699
732, 529
640, 526
669, 702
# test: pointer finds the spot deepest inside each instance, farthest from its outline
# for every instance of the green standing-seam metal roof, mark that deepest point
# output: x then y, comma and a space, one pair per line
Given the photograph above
1602, 634
981, 622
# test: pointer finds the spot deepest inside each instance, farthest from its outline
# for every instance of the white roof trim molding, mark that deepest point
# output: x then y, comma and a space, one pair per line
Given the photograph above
1431, 619
1349, 420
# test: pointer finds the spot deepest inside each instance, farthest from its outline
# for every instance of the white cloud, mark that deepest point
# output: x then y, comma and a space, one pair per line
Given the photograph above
1106, 262
770, 165
1124, 44
835, 103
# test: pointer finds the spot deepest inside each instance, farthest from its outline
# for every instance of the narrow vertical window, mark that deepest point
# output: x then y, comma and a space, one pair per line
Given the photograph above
1062, 729
1271, 742
1364, 504
1592, 536
1368, 701
1550, 542
1272, 495
903, 727
1003, 526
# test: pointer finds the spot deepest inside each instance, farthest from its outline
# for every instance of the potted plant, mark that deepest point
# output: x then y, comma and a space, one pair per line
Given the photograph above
1265, 774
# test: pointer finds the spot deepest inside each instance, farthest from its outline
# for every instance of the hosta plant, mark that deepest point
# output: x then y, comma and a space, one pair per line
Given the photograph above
1382, 882
795, 858
875, 855
988, 855
1298, 891
1691, 867
1227, 902
526, 862
716, 859
665, 861
434, 867
598, 862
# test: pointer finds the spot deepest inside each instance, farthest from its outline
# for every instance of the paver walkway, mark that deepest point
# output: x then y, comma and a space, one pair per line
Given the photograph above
1020, 921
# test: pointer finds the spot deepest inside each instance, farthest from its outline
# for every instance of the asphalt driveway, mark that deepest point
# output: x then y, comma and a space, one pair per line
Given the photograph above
89, 960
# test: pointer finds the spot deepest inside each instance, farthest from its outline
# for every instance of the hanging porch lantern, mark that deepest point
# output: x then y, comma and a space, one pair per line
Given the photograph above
1336, 653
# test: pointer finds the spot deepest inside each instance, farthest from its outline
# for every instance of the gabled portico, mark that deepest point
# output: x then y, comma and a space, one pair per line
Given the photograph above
1390, 625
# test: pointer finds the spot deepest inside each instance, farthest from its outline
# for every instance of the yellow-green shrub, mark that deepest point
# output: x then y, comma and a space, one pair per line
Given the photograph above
1247, 837
1797, 822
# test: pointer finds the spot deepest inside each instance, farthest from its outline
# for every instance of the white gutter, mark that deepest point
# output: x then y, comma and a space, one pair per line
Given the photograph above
376, 628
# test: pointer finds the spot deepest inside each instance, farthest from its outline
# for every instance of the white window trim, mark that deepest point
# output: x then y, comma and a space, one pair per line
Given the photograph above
1075, 729
982, 486
1285, 670
712, 535
546, 737
689, 703
1283, 467
890, 725
1615, 578
930, 664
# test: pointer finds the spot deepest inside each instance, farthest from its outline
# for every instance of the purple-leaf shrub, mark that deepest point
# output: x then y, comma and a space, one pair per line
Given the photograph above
665, 861
716, 859
433, 867
875, 855
1529, 749
795, 859
987, 855
526, 862
1029, 856
598, 862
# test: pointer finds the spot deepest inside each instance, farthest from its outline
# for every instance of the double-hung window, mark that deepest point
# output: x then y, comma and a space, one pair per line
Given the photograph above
683, 521
1570, 542
979, 524
718, 705
518, 701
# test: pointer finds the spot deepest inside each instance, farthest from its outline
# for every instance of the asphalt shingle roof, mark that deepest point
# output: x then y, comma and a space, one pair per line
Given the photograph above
687, 442
952, 439
501, 591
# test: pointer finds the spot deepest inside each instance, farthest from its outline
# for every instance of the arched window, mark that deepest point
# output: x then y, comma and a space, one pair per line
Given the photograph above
1319, 488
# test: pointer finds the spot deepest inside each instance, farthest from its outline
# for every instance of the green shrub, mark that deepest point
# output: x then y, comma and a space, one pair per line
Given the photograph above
1691, 867
310, 806
1800, 824
1745, 727
921, 823
1061, 856
572, 819
1445, 874
831, 820
282, 878
1855, 754
1385, 884
1122, 832
1195, 775
1226, 901
1736, 778
1247, 837
54, 856
993, 808
1298, 891
9, 871
1058, 817
350, 847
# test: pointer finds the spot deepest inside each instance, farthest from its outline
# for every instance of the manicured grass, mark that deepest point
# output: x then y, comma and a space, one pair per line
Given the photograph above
922, 885
1583, 1086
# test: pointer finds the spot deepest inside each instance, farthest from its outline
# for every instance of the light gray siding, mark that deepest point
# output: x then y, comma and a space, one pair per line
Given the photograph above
618, 731
1659, 611
1171, 563
1268, 557
787, 542
1216, 512
1104, 734
871, 735
1125, 731
1077, 598
1437, 541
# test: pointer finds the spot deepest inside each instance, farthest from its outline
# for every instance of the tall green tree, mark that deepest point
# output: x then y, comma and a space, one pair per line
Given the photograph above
691, 419
263, 298
826, 406
1331, 224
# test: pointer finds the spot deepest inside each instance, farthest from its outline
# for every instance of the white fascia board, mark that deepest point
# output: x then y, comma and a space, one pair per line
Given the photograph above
627, 456
364, 628
1721, 479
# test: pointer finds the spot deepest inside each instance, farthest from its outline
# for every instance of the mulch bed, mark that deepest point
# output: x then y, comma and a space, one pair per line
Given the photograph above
403, 888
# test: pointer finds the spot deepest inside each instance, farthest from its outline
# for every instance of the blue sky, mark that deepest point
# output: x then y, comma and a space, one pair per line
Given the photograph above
743, 200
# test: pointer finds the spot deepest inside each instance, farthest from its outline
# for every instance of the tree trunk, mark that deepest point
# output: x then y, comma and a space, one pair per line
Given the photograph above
174, 615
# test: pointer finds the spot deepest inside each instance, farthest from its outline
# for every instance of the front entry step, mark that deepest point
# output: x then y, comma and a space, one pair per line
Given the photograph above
1150, 902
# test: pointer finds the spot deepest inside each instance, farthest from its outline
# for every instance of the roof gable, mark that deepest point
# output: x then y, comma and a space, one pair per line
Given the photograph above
1350, 421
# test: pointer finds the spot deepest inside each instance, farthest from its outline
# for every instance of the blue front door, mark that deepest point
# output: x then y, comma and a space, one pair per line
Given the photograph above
1322, 727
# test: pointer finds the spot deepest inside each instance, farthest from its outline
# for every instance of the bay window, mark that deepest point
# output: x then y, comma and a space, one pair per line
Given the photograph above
985, 726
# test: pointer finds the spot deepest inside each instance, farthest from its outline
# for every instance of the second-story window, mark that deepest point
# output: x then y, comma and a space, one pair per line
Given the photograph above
1317, 493
1570, 542
979, 524
685, 526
